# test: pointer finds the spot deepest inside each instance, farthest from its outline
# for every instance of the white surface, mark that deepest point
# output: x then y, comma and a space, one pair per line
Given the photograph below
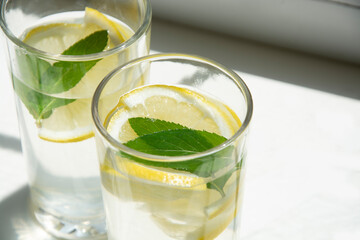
303, 179
317, 26
12, 170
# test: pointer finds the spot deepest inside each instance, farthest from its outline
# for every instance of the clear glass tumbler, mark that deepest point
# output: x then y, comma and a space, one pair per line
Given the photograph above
58, 52
172, 149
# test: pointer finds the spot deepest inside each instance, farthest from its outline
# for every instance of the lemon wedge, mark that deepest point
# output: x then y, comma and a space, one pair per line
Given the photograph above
72, 122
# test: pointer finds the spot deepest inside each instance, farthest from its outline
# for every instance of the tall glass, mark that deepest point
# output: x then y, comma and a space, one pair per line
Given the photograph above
152, 196
53, 95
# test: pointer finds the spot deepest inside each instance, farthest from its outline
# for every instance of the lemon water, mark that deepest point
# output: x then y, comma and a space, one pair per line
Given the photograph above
149, 202
60, 148
63, 177
145, 210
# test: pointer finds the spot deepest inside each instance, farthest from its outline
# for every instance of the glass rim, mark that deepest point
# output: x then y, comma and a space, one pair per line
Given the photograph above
145, 25
172, 56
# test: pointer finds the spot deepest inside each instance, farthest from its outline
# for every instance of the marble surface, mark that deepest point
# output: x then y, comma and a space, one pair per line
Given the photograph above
303, 169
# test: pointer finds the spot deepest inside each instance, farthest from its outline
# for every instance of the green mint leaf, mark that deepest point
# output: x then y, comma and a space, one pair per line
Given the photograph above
64, 75
39, 105
170, 139
94, 43
177, 142
41, 76
32, 69
164, 138
143, 126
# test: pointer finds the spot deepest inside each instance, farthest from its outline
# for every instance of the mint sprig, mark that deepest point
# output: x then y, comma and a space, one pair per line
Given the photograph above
164, 138
40, 76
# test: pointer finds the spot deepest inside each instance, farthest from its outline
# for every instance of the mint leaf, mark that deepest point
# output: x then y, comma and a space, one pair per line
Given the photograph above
94, 43
143, 126
164, 138
32, 69
64, 75
39, 105
41, 76
175, 142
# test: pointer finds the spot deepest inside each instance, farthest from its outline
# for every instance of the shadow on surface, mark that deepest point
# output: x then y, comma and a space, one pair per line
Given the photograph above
16, 221
258, 59
10, 142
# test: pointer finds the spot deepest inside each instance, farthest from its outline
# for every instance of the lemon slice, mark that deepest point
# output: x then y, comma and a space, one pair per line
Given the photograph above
69, 123
72, 122
56, 37
116, 32
139, 174
173, 104
186, 217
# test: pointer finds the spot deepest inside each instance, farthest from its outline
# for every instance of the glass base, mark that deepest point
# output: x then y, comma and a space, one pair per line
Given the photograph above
69, 228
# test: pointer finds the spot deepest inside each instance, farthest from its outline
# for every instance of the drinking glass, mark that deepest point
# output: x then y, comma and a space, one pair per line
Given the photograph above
154, 196
53, 98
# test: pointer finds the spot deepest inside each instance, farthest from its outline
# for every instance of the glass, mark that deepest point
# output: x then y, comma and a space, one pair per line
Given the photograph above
53, 97
146, 196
